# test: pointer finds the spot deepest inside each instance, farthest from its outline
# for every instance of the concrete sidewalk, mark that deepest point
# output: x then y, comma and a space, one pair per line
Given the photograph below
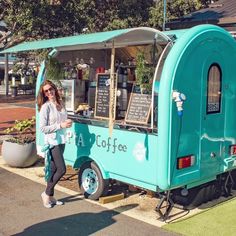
23, 214
145, 210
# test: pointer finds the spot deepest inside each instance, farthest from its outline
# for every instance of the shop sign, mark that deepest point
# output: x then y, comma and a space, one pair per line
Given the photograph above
110, 144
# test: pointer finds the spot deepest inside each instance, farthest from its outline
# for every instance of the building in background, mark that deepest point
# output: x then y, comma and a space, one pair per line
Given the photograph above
11, 61
221, 13
3, 34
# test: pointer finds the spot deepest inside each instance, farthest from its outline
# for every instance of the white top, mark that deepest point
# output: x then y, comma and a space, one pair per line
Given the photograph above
49, 122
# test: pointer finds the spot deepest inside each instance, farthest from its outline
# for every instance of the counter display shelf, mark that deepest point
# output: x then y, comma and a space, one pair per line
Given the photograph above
118, 124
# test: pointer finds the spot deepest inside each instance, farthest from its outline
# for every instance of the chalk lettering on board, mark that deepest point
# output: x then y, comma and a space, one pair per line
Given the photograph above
102, 99
139, 106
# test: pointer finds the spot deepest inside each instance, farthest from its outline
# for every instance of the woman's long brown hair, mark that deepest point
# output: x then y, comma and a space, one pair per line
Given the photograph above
41, 98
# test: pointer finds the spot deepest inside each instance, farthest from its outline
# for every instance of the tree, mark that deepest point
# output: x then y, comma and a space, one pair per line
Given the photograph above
40, 19
115, 14
174, 9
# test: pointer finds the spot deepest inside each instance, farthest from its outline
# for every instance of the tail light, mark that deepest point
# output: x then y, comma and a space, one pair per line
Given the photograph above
232, 149
185, 162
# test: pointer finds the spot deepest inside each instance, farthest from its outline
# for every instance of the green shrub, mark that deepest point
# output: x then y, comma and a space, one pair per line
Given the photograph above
22, 131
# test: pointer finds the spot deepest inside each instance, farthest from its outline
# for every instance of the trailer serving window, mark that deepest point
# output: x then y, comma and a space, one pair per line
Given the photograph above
214, 89
81, 98
87, 99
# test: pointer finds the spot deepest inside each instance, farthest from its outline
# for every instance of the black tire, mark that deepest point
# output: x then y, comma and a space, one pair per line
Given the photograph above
91, 182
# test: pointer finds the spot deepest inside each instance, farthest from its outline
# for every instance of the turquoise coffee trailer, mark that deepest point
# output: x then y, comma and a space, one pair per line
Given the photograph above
192, 140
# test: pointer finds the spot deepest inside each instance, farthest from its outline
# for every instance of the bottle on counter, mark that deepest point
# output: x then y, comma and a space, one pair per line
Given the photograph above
73, 73
66, 71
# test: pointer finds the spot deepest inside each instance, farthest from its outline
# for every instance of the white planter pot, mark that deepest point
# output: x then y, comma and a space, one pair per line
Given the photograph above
17, 155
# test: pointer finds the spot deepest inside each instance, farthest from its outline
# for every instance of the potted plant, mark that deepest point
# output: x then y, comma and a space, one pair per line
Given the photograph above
54, 71
20, 149
144, 74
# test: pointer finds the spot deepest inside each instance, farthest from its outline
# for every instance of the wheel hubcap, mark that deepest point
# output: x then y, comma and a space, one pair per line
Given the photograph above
89, 181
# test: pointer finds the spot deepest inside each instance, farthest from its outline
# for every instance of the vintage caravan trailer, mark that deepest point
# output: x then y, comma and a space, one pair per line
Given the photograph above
171, 139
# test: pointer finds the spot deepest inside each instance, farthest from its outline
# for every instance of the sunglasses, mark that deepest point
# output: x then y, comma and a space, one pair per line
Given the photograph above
47, 90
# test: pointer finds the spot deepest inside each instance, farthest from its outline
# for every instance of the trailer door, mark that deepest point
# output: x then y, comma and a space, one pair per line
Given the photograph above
212, 129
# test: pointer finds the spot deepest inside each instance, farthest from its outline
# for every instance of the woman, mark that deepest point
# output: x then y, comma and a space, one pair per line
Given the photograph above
53, 122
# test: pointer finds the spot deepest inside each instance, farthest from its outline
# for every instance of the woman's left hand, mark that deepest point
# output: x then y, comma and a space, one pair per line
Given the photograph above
66, 124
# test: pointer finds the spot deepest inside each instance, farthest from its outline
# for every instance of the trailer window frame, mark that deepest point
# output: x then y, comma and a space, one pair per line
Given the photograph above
214, 89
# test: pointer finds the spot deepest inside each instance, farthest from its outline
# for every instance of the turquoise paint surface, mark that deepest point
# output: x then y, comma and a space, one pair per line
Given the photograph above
148, 160
186, 71
40, 79
125, 154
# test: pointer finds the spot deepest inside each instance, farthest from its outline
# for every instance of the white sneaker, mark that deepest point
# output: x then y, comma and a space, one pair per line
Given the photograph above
46, 202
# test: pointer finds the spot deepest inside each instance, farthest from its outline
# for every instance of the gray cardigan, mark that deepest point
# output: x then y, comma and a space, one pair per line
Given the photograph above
49, 123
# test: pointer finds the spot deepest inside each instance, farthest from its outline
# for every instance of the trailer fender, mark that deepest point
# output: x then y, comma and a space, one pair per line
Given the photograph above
83, 159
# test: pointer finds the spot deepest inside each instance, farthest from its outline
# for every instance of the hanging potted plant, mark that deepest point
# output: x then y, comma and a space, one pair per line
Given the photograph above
144, 74
54, 71
20, 149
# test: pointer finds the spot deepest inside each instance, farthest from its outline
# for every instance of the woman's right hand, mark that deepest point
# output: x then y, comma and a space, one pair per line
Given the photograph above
66, 124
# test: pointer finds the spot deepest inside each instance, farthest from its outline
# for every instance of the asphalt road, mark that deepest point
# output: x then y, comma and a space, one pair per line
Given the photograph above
22, 213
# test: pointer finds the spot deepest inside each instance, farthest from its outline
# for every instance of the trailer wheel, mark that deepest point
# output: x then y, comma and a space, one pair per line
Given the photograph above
91, 182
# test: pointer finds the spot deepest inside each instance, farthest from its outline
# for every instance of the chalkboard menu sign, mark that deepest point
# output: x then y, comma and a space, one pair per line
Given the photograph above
139, 106
102, 99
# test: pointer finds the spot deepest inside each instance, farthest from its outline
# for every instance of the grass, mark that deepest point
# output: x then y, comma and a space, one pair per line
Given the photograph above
218, 221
